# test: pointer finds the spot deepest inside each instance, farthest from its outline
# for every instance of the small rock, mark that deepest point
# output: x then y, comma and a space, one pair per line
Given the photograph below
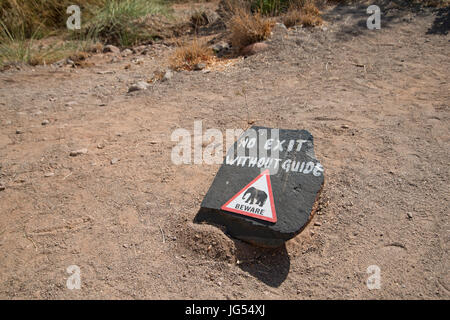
114, 160
19, 131
45, 122
125, 245
199, 66
126, 52
106, 72
254, 48
317, 224
111, 48
409, 214
59, 63
100, 146
2, 187
78, 152
167, 76
49, 174
221, 46
344, 126
141, 85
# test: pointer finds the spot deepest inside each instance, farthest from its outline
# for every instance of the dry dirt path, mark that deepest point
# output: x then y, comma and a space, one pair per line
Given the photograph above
377, 103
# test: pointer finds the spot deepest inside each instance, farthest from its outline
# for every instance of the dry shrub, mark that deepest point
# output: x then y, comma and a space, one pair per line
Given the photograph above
187, 56
247, 28
228, 8
292, 18
199, 18
306, 14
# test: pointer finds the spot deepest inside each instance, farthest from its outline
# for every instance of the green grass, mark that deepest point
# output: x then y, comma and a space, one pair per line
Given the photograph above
121, 22
26, 24
17, 48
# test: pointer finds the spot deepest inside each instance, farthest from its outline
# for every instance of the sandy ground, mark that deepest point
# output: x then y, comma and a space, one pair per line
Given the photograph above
377, 103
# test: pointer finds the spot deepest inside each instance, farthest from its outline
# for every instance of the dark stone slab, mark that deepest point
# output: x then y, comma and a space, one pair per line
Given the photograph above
296, 179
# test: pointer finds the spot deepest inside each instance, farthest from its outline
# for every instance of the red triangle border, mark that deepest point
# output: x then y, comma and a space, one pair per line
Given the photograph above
272, 204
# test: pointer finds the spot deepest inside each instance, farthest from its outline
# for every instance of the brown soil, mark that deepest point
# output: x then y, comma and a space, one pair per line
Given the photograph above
377, 103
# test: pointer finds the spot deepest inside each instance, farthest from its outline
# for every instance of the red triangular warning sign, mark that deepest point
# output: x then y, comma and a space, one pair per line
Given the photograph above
254, 200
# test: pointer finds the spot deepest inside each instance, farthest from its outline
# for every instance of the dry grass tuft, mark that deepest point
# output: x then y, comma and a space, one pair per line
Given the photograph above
187, 56
306, 14
247, 28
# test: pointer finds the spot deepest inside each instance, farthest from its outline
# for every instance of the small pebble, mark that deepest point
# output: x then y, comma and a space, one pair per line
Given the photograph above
167, 76
70, 103
199, 66
45, 122
78, 152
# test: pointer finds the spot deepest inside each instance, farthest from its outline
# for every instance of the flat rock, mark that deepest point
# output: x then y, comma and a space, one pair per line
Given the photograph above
267, 188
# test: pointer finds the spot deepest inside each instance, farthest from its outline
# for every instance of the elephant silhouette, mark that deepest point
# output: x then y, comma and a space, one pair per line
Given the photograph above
255, 195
